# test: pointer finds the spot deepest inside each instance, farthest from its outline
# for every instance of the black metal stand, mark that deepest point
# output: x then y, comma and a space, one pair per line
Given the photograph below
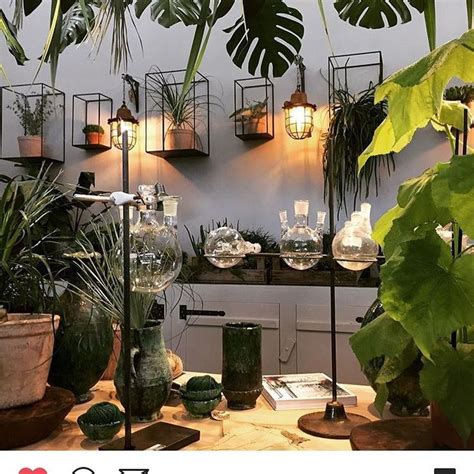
334, 422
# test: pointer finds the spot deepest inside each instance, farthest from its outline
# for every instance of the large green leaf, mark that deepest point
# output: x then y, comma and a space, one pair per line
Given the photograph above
376, 14
170, 12
9, 32
268, 35
426, 291
415, 94
454, 189
381, 337
75, 25
448, 379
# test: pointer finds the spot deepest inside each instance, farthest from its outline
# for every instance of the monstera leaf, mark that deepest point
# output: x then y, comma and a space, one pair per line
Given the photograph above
376, 14
415, 94
426, 291
447, 379
75, 25
268, 34
170, 12
9, 32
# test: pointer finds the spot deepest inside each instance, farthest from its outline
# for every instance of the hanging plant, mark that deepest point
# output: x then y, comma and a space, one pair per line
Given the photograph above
354, 121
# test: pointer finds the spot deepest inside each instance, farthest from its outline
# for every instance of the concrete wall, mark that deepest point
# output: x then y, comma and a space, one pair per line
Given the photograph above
245, 181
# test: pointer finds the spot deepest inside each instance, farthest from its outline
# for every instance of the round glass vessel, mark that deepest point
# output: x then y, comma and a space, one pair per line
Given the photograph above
353, 247
155, 252
224, 247
300, 246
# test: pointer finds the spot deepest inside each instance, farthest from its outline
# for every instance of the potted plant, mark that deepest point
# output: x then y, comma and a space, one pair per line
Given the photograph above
250, 117
463, 94
181, 110
427, 289
94, 134
26, 331
32, 120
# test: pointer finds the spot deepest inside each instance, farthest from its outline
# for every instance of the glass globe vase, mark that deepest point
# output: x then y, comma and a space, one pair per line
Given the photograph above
224, 247
300, 246
155, 252
353, 247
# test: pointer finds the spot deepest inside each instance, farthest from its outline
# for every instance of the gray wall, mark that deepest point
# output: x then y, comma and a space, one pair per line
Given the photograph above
239, 180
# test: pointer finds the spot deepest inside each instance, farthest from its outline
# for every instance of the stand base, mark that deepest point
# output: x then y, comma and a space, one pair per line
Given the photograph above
334, 423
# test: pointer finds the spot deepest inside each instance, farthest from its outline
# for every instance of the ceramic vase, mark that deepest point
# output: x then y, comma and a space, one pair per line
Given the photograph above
151, 373
242, 364
82, 347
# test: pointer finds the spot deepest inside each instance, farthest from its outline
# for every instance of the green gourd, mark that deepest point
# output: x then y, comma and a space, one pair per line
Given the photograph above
102, 413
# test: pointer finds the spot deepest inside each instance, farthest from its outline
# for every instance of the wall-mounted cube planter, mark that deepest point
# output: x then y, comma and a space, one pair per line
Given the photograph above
176, 124
254, 114
32, 124
90, 113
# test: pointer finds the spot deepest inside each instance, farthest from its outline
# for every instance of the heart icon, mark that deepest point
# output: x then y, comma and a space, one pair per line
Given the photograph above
27, 470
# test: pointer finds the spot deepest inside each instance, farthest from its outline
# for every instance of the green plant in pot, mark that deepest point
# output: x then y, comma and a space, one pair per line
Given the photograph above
102, 286
251, 117
427, 288
27, 330
94, 134
32, 119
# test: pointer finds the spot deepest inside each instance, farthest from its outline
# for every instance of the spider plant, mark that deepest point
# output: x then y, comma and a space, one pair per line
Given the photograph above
354, 121
24, 272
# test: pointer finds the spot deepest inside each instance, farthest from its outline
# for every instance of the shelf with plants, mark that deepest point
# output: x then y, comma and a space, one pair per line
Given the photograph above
90, 113
254, 114
176, 116
32, 124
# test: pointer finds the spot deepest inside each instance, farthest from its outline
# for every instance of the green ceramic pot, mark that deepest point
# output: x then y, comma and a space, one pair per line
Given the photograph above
404, 392
242, 364
201, 408
151, 373
99, 432
82, 347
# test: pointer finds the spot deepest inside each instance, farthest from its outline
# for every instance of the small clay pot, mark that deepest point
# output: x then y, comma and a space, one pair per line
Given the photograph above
242, 364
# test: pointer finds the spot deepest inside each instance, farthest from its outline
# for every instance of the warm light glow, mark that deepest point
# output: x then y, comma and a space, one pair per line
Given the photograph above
299, 121
117, 127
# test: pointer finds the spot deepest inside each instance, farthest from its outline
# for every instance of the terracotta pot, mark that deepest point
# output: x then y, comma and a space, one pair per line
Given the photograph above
255, 126
26, 349
30, 145
444, 434
94, 138
182, 139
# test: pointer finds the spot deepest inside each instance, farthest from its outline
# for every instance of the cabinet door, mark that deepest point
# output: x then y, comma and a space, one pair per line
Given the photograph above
198, 340
314, 337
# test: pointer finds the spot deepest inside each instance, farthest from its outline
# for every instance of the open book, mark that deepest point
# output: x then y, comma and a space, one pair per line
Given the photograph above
298, 391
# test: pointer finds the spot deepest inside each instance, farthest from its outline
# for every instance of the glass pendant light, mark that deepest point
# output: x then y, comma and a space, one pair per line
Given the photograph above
224, 247
301, 247
123, 121
298, 111
353, 246
155, 252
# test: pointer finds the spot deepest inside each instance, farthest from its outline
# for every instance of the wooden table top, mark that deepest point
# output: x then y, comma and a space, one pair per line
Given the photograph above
261, 428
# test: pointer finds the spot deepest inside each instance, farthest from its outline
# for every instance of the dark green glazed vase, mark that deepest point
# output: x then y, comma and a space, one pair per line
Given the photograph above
82, 347
404, 392
151, 373
242, 364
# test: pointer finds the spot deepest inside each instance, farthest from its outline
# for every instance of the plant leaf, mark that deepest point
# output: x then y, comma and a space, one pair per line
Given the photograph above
415, 94
30, 6
373, 14
447, 379
454, 189
451, 115
9, 32
268, 34
381, 398
426, 291
381, 337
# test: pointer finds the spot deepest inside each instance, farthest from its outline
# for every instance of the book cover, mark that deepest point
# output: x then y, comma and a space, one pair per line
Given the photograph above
298, 391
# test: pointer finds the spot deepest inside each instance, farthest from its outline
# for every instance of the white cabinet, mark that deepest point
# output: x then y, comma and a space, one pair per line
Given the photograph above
295, 323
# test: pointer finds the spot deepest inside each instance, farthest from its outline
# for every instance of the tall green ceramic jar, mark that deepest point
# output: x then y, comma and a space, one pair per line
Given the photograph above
151, 373
242, 364
82, 346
